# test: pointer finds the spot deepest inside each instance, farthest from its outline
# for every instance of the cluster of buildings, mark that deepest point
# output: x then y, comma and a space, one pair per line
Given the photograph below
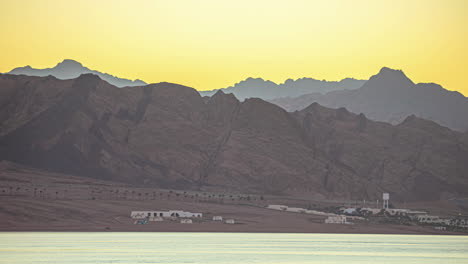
143, 217
332, 218
415, 216
344, 214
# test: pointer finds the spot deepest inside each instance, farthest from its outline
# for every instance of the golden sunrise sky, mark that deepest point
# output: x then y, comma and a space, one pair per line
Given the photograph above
214, 43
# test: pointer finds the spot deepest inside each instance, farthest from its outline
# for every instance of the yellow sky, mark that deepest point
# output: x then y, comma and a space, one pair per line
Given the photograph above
213, 44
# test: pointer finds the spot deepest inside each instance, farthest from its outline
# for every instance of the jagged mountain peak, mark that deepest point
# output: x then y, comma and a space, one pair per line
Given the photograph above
389, 79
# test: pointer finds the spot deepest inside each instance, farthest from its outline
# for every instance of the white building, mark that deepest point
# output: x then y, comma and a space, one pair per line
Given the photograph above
430, 219
338, 219
186, 221
155, 219
372, 211
171, 213
349, 210
296, 210
277, 207
217, 218
401, 212
230, 221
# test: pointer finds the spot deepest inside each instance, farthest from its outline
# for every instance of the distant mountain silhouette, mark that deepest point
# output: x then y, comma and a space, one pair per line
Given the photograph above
259, 88
390, 96
70, 69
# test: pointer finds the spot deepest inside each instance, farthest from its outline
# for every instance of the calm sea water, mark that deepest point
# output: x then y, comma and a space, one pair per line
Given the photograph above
239, 248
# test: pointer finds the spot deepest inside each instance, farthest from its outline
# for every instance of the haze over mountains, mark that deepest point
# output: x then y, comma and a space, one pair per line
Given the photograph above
70, 69
167, 135
390, 96
259, 88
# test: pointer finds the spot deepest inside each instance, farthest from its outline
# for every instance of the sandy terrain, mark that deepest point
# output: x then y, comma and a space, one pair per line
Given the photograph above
34, 200
25, 214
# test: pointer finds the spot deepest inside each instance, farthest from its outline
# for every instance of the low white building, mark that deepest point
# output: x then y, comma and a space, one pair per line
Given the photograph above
217, 218
349, 210
186, 221
230, 221
430, 219
171, 213
155, 219
296, 210
338, 219
277, 207
371, 211
401, 212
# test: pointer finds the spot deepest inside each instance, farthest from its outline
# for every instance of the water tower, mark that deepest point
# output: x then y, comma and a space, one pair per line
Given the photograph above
386, 197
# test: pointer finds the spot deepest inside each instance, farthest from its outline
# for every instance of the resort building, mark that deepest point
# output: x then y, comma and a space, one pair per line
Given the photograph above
186, 221
338, 219
430, 219
277, 207
296, 210
171, 213
217, 218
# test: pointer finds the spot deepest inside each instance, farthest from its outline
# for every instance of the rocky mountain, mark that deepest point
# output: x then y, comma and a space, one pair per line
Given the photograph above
70, 69
259, 88
390, 96
167, 135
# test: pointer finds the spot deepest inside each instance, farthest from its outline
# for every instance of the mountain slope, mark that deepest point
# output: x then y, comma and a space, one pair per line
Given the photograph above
70, 69
167, 135
259, 88
390, 96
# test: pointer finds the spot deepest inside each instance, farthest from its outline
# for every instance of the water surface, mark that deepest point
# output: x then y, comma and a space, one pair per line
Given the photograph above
239, 248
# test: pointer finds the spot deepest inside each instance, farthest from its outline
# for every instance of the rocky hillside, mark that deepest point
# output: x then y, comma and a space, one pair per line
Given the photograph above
167, 135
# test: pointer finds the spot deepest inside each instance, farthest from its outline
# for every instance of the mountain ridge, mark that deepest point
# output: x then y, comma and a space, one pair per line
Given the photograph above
266, 89
391, 96
70, 69
168, 136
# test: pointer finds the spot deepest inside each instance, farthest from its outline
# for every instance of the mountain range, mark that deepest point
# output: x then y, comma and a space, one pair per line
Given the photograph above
168, 136
70, 69
391, 96
388, 96
259, 88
